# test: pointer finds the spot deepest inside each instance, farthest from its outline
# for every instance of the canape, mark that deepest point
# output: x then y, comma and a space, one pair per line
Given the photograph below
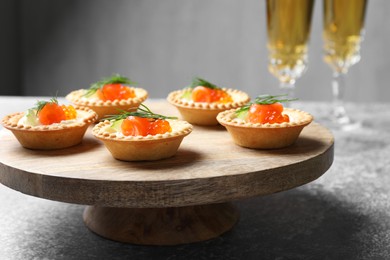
201, 102
265, 123
141, 135
109, 96
49, 125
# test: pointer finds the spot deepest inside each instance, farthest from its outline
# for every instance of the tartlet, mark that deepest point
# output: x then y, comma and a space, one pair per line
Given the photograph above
84, 97
205, 113
265, 135
141, 135
142, 148
49, 137
105, 108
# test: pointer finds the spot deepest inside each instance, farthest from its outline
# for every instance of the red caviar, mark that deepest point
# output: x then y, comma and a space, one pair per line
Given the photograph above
159, 126
53, 113
210, 95
115, 91
70, 112
267, 114
134, 125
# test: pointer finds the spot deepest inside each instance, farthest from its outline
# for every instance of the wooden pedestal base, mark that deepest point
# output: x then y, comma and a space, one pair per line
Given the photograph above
161, 226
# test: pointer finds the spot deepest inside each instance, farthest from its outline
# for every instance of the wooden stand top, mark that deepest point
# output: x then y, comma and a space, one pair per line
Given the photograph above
208, 168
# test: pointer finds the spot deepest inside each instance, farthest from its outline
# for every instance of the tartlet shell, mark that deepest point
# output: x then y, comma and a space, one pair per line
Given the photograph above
106, 108
265, 136
143, 148
49, 137
201, 113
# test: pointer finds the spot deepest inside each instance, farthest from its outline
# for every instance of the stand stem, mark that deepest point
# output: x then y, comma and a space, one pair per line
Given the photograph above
161, 226
289, 89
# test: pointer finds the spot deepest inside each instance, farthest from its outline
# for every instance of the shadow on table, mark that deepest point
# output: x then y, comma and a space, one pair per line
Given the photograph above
182, 159
291, 225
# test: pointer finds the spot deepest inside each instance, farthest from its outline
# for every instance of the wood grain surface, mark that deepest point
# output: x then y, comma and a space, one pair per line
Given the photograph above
161, 226
208, 168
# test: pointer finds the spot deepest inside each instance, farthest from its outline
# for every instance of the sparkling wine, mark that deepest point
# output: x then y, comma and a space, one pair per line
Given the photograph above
343, 25
288, 29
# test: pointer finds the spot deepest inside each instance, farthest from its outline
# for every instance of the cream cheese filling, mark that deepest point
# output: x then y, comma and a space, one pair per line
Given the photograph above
33, 120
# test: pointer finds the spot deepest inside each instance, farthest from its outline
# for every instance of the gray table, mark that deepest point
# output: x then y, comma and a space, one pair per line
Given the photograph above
343, 215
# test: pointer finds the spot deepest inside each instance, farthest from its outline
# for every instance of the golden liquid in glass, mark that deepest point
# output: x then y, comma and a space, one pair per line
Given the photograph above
343, 25
288, 29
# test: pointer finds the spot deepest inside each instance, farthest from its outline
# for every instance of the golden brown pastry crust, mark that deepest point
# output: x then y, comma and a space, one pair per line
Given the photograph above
265, 136
106, 108
142, 148
50, 137
201, 113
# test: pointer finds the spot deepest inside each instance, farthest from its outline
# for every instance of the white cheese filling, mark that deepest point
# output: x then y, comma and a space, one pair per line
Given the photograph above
30, 119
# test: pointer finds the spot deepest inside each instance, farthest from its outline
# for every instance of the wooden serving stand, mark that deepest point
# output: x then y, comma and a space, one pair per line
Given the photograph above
183, 199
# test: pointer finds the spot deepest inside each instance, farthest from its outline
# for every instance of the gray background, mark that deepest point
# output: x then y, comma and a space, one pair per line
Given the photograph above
50, 47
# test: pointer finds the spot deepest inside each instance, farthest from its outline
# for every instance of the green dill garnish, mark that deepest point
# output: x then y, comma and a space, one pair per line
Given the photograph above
40, 104
114, 79
142, 111
196, 81
264, 100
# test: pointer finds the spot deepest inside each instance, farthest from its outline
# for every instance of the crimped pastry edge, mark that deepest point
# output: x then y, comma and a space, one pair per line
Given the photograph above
179, 128
239, 98
297, 116
76, 97
11, 121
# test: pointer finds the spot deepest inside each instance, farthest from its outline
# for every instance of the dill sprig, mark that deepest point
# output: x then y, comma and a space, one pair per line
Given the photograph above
265, 100
196, 81
115, 78
40, 104
142, 111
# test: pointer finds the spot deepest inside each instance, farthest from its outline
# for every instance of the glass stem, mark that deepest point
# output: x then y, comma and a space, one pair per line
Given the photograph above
288, 88
338, 90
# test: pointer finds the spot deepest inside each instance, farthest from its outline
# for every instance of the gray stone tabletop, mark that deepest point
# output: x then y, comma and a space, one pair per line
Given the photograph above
345, 214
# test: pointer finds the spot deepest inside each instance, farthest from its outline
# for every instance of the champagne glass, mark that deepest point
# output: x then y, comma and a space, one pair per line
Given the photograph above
288, 29
343, 23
